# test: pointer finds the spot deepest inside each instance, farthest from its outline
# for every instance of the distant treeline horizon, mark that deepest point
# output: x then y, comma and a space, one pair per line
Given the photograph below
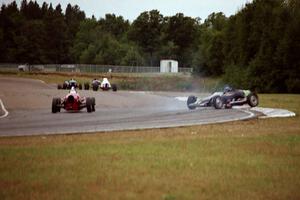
256, 48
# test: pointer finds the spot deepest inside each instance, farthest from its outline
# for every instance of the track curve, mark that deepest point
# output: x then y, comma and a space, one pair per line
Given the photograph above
29, 102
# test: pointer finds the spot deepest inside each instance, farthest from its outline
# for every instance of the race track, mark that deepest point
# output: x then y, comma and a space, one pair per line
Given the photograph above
29, 105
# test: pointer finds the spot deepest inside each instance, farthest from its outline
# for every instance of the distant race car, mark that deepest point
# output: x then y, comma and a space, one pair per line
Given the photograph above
73, 102
68, 84
226, 99
104, 85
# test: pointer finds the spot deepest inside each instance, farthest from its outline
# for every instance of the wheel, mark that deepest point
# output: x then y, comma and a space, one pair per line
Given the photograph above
86, 86
218, 102
65, 86
58, 103
95, 87
93, 104
59, 87
55, 107
191, 100
80, 86
89, 104
252, 99
114, 87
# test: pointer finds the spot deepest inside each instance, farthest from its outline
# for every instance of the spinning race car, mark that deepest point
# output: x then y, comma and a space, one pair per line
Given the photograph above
226, 99
104, 85
73, 102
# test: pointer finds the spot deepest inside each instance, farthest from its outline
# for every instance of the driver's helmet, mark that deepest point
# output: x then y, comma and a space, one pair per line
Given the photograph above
227, 89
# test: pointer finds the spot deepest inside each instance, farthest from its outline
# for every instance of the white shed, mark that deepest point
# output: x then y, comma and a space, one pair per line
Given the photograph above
169, 66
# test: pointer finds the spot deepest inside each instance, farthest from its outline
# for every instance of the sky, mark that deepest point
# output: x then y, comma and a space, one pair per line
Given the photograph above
131, 9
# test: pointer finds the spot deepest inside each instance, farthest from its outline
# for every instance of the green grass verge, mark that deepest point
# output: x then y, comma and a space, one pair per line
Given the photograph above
256, 159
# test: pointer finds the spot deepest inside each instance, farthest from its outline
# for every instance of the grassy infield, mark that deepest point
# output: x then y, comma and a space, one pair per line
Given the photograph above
256, 159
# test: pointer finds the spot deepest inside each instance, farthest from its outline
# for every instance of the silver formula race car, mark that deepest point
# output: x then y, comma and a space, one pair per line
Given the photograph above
226, 99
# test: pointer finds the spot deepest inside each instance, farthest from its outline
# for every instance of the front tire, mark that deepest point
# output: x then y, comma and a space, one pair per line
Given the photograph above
252, 99
191, 100
218, 102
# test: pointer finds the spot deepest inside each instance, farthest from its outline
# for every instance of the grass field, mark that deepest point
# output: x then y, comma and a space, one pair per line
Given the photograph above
256, 159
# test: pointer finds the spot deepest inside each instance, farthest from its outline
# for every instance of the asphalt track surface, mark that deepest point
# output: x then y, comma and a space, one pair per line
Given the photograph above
29, 105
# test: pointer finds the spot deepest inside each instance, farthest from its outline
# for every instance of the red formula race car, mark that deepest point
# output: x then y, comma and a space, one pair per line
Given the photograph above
73, 102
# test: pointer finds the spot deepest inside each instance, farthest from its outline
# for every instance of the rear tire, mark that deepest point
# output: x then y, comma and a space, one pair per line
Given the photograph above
86, 86
114, 87
88, 104
58, 104
191, 100
59, 87
218, 102
65, 86
93, 104
95, 87
252, 99
55, 105
80, 86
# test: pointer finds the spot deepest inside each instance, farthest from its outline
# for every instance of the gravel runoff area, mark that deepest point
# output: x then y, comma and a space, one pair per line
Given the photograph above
29, 105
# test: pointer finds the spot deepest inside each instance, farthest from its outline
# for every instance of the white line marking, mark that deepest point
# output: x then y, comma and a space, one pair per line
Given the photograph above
3, 108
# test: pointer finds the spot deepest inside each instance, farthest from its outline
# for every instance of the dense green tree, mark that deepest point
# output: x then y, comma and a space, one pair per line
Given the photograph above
209, 59
182, 32
115, 25
73, 17
146, 31
31, 42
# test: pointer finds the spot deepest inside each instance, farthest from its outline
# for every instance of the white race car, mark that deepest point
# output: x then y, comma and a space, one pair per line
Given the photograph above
104, 85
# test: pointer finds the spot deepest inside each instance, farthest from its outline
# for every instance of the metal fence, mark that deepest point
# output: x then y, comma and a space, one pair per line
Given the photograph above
85, 68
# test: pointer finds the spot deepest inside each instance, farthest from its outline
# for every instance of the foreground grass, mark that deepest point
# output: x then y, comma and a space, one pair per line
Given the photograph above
145, 82
257, 159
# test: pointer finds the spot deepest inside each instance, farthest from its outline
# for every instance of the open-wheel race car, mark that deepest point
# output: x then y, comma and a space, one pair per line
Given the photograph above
104, 85
226, 99
68, 84
73, 102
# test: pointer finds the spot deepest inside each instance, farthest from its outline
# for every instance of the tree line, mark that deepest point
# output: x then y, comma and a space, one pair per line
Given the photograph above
257, 48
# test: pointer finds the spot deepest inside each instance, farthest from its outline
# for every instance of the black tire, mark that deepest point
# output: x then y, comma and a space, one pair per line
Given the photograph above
80, 86
55, 107
65, 86
190, 100
114, 87
58, 104
59, 87
95, 87
218, 102
89, 104
93, 104
252, 99
86, 86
